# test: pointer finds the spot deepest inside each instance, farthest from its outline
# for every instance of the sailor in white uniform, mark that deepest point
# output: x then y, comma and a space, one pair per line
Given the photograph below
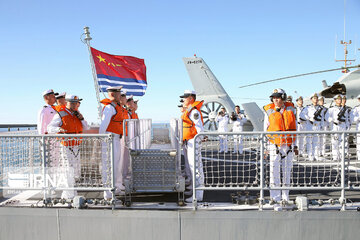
47, 112
348, 110
69, 121
223, 120
324, 126
313, 114
301, 125
192, 120
238, 120
355, 118
109, 113
337, 116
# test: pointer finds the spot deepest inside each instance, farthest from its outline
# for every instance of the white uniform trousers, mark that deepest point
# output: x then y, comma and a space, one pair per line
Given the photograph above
106, 166
300, 143
336, 141
70, 163
125, 161
322, 140
284, 157
238, 144
313, 142
223, 143
189, 167
54, 159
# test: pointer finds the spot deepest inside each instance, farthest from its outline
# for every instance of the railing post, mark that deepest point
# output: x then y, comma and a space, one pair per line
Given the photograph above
194, 173
262, 172
112, 139
342, 198
43, 156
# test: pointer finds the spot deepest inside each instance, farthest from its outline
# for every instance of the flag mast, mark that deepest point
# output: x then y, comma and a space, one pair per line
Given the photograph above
87, 42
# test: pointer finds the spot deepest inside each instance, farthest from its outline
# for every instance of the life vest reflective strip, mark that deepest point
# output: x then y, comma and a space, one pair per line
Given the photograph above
72, 125
285, 121
189, 130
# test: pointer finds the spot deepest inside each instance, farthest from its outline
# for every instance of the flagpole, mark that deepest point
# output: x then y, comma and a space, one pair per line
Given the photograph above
96, 85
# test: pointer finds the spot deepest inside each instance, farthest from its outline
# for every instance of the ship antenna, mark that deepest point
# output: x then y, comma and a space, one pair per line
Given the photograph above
345, 43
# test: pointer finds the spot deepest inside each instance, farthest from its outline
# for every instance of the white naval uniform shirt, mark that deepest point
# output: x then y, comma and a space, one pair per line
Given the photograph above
300, 124
332, 117
108, 112
324, 123
239, 123
308, 113
348, 118
56, 123
223, 122
355, 116
196, 118
45, 115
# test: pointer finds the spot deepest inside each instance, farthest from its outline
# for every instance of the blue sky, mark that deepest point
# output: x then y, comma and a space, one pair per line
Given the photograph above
241, 41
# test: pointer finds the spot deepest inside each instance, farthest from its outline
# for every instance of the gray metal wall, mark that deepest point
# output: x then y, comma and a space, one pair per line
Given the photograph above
48, 224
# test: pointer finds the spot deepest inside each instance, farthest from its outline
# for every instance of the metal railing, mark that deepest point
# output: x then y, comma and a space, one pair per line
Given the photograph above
138, 133
321, 160
50, 163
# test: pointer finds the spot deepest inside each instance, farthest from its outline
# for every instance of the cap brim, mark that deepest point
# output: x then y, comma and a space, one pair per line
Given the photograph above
276, 95
185, 95
73, 100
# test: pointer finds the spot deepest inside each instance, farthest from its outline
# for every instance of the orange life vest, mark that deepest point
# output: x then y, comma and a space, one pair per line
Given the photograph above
58, 108
189, 130
285, 121
134, 115
116, 122
72, 125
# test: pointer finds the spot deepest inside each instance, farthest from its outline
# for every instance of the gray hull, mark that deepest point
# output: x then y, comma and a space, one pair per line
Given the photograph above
48, 224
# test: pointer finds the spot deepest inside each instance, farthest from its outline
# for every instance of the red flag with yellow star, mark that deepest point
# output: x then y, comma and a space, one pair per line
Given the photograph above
126, 71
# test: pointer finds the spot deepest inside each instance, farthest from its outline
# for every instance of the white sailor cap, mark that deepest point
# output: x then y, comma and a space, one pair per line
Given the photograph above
60, 95
123, 92
114, 89
314, 95
188, 93
131, 98
337, 96
289, 99
47, 92
321, 98
136, 101
358, 96
72, 98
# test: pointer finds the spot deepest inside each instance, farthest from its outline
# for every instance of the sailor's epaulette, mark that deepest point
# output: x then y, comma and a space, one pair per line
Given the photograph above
45, 106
